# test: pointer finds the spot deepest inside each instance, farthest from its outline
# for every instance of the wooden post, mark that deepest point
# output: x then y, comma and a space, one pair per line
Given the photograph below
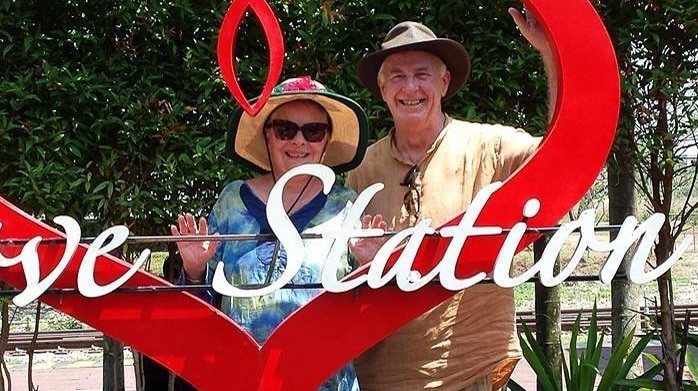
113, 367
548, 317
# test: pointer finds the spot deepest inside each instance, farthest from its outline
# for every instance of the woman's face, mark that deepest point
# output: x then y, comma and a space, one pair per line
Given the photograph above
287, 154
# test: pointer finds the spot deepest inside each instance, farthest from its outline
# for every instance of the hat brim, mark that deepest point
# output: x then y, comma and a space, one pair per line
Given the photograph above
452, 53
345, 148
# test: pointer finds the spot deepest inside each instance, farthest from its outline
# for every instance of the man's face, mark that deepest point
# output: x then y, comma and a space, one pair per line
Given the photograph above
413, 83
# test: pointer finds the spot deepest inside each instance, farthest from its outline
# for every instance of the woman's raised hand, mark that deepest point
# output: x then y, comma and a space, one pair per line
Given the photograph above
195, 255
364, 249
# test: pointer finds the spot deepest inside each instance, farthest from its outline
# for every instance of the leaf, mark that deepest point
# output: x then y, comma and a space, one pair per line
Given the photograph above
386, 17
634, 355
653, 359
574, 361
514, 386
637, 383
536, 359
589, 365
75, 150
652, 372
7, 49
692, 364
565, 370
101, 186
615, 363
27, 43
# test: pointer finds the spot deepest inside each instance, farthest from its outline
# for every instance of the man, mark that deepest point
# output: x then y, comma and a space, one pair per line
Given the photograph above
432, 166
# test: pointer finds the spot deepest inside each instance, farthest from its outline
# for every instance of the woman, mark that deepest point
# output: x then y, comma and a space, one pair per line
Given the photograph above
301, 123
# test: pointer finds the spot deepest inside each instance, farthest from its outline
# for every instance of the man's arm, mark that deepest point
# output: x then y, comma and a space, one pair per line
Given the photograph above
513, 150
535, 35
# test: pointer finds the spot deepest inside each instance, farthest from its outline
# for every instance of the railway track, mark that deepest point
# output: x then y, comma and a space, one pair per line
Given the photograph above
63, 341
603, 317
56, 341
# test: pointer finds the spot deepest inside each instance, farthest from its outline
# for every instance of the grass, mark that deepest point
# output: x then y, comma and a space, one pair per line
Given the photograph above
584, 294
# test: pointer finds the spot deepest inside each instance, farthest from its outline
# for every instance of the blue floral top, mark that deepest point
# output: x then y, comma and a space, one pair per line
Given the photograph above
239, 210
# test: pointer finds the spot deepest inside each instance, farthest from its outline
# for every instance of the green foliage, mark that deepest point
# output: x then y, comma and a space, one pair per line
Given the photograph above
114, 112
690, 343
58, 321
325, 39
111, 111
580, 373
657, 47
648, 380
692, 364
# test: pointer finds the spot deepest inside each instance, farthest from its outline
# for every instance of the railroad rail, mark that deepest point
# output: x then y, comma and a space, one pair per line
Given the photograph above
603, 317
55, 340
62, 341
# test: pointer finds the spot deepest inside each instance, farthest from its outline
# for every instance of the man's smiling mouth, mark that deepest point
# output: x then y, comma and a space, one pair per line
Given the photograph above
413, 102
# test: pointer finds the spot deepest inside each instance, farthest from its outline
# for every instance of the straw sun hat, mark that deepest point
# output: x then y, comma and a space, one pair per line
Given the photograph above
348, 138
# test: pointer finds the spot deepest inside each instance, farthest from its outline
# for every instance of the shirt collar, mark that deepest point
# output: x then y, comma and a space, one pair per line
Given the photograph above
395, 152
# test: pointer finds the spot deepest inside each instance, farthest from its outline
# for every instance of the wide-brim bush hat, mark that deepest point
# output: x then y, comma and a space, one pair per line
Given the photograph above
416, 36
348, 138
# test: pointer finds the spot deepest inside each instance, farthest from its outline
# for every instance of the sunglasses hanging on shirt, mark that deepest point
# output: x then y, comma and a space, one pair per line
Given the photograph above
413, 198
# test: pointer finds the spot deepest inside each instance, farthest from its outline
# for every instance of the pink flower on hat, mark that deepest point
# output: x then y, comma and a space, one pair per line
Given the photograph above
303, 83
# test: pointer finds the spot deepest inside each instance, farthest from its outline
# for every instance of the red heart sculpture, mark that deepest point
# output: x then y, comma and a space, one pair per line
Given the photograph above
227, 38
202, 345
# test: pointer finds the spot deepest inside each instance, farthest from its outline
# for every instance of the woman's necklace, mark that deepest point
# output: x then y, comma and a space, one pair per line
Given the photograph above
277, 244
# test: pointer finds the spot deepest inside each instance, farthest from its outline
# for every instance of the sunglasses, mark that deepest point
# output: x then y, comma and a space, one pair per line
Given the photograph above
413, 198
313, 132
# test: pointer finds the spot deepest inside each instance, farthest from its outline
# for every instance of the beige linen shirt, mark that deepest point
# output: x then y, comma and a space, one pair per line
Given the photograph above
472, 334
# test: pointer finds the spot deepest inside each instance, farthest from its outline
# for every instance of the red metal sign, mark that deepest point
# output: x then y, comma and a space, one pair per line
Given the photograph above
210, 351
226, 50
